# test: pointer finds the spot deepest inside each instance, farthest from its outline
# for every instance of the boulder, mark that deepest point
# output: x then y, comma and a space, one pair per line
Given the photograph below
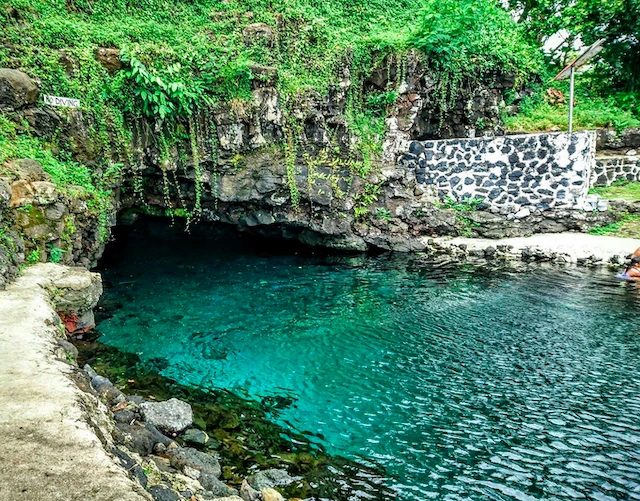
172, 415
105, 389
17, 90
263, 76
77, 290
26, 169
215, 486
164, 493
248, 493
142, 439
195, 436
44, 122
258, 32
129, 464
22, 194
5, 193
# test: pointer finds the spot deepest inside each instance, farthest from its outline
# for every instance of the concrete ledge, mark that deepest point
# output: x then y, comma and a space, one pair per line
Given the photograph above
54, 436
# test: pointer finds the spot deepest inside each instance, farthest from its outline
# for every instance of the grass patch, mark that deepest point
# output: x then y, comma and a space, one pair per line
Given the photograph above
619, 190
539, 113
627, 227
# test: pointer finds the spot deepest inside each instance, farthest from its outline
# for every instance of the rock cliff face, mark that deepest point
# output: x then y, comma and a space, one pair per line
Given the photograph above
292, 168
317, 188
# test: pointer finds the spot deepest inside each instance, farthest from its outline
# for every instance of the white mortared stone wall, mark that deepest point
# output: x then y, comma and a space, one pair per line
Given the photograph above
540, 171
611, 168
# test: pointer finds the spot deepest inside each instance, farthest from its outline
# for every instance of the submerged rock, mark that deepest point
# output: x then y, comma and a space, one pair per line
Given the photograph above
271, 478
195, 436
194, 463
172, 415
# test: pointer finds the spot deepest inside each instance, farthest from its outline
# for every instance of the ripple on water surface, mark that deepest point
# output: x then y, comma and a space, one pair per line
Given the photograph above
461, 384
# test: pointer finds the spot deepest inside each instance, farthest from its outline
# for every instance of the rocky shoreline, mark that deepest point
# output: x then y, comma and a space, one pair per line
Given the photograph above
560, 248
147, 436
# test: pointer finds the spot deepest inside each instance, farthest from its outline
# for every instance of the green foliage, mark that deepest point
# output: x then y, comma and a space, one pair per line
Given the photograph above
463, 205
616, 21
591, 111
363, 200
160, 94
466, 40
381, 100
75, 178
33, 257
55, 254
619, 190
383, 214
627, 226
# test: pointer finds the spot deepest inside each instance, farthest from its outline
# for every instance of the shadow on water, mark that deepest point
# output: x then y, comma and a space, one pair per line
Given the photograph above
382, 376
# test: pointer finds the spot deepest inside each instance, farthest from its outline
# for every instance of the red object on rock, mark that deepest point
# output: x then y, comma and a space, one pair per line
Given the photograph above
70, 321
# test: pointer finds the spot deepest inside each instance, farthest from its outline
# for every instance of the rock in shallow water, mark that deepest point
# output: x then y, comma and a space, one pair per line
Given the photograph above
271, 478
172, 415
194, 463
195, 436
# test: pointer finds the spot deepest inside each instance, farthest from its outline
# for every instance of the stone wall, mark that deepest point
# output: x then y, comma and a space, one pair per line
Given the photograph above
541, 171
611, 168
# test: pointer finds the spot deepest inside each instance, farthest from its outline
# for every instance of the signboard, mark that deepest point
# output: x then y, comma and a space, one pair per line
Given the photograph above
61, 101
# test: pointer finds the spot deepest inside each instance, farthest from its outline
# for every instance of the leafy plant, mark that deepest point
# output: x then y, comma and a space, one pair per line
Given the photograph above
160, 94
55, 254
462, 205
383, 214
466, 40
33, 257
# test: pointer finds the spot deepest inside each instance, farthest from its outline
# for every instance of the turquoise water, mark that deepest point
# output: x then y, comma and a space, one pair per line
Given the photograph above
461, 383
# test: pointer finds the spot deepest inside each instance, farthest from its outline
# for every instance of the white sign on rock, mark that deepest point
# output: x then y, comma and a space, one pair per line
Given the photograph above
61, 101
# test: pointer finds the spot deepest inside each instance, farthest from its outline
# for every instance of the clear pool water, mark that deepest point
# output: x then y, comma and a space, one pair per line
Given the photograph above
462, 384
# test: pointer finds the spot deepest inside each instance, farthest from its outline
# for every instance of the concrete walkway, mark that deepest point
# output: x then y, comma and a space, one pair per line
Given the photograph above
573, 246
49, 447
